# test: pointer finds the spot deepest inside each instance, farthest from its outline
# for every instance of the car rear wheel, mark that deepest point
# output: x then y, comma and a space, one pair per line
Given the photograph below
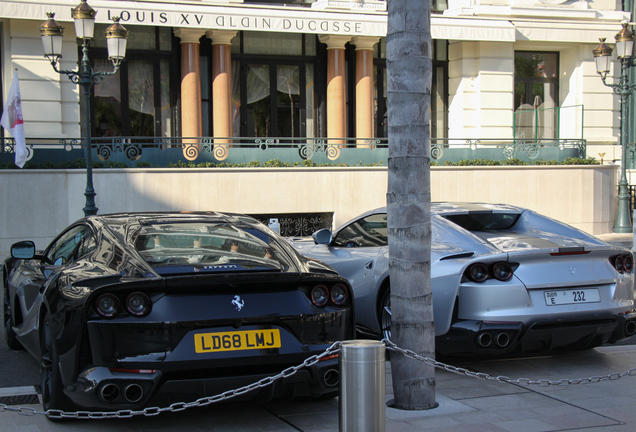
385, 314
9, 334
53, 397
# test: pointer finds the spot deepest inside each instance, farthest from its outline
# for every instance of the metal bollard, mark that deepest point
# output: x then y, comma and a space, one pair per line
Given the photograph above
362, 386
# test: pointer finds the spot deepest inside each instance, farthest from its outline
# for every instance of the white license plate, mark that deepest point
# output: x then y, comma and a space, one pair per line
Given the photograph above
553, 298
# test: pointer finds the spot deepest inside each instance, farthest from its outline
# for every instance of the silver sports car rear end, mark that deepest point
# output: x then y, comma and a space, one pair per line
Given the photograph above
503, 279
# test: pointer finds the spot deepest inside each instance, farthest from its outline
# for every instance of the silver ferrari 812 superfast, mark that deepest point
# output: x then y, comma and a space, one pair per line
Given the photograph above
504, 279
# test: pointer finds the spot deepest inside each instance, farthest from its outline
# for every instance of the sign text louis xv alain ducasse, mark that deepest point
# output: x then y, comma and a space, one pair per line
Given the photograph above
248, 22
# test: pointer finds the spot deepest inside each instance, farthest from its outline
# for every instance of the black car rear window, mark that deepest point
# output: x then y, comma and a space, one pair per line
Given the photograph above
484, 221
208, 246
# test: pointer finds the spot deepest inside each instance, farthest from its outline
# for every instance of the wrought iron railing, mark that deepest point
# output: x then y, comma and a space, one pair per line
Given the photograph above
167, 151
297, 224
631, 155
631, 190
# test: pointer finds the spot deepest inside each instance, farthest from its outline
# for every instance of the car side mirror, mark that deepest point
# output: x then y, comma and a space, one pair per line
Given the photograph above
322, 236
23, 250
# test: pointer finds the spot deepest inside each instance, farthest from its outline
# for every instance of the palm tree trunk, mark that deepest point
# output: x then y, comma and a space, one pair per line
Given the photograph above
409, 70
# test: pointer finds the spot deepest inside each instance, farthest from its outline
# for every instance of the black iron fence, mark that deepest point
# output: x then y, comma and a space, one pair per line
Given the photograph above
170, 151
296, 224
631, 189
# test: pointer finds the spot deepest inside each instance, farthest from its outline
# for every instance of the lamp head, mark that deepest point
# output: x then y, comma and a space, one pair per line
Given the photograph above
602, 57
624, 42
116, 38
84, 17
52, 34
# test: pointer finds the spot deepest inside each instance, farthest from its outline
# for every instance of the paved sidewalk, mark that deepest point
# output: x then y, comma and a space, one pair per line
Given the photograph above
465, 403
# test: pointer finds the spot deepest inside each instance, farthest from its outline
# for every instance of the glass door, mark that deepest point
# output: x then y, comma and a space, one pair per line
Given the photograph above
288, 100
137, 100
536, 95
272, 103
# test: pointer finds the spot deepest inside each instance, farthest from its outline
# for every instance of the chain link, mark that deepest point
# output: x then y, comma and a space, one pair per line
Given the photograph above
286, 373
521, 381
177, 406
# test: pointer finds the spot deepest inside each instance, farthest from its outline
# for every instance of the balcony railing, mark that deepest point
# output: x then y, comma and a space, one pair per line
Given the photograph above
163, 152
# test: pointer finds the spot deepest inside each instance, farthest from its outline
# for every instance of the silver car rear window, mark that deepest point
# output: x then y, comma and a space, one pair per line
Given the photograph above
484, 221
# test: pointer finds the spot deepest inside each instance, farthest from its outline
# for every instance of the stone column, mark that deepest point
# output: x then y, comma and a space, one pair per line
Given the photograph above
221, 88
190, 89
364, 88
336, 87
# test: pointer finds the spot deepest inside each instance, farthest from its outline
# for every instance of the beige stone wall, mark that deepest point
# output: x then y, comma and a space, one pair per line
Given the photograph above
38, 204
50, 101
583, 196
480, 86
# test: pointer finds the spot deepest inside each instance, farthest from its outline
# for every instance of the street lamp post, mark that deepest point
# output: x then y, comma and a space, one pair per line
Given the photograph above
602, 56
116, 37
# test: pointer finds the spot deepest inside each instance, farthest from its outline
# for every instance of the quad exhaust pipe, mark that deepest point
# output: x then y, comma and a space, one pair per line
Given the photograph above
630, 328
502, 340
132, 393
331, 378
110, 392
484, 340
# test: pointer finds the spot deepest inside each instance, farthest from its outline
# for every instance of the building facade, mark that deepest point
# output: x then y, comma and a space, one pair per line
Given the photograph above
502, 69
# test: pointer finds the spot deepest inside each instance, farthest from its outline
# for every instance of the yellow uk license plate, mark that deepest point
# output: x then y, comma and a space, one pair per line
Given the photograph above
235, 341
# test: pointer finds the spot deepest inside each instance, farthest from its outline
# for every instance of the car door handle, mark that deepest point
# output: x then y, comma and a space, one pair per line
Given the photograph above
369, 265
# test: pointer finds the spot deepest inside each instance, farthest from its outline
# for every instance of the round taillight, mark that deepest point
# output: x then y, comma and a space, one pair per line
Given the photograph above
502, 271
138, 304
319, 295
477, 272
107, 305
339, 294
619, 264
628, 263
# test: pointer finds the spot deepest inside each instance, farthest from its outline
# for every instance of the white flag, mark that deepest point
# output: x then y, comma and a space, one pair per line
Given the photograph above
13, 122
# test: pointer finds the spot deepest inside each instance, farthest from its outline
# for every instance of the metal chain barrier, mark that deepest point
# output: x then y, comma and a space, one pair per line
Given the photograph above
333, 349
177, 406
522, 381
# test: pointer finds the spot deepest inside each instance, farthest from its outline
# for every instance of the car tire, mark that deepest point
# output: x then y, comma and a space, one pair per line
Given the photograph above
9, 334
384, 317
53, 397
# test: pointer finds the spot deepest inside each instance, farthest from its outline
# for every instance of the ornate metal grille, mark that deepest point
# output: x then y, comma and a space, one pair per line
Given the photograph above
297, 224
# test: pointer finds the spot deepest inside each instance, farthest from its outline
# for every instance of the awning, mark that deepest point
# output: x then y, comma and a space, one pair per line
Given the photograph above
230, 16
247, 17
472, 29
566, 32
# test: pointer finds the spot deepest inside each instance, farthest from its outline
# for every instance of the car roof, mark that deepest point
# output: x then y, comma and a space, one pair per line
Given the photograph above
174, 216
445, 207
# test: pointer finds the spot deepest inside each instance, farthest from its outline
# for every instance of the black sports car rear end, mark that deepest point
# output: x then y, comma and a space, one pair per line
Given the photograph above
134, 310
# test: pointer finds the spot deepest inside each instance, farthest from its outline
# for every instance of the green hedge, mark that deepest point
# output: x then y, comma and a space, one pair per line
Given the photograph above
276, 163
81, 163
516, 161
